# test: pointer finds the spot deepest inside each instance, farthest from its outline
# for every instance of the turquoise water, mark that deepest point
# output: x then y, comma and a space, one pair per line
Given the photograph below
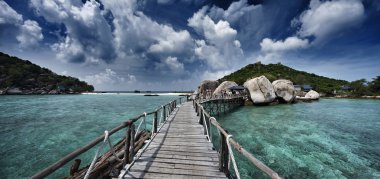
38, 130
332, 138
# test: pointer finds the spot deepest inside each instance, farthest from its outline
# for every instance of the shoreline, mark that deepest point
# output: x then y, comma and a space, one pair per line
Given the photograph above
362, 97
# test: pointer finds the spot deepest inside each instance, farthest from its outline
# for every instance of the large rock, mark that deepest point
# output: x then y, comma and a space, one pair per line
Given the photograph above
261, 90
53, 92
284, 90
224, 87
207, 87
312, 94
14, 91
194, 95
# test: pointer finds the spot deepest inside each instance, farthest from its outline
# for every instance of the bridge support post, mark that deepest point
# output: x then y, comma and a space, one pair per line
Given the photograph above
164, 108
127, 145
132, 144
223, 152
201, 117
155, 122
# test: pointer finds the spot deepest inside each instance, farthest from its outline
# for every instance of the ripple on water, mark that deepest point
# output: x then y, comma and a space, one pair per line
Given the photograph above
38, 130
326, 139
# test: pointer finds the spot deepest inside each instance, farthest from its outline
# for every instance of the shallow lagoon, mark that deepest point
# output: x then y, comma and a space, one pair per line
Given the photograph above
38, 130
332, 138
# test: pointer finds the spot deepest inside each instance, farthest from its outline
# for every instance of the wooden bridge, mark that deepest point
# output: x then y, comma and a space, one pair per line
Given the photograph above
179, 150
179, 146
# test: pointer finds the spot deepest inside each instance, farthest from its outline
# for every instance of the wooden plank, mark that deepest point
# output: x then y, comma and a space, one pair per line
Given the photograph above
166, 176
197, 154
179, 150
174, 165
185, 172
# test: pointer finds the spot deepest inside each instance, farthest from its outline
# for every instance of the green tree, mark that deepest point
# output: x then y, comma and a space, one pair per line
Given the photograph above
360, 87
375, 85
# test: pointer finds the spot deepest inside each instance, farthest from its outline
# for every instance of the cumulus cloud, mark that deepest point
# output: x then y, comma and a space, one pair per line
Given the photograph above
8, 15
108, 77
30, 34
88, 37
135, 33
290, 43
174, 64
234, 12
324, 19
219, 47
272, 51
320, 22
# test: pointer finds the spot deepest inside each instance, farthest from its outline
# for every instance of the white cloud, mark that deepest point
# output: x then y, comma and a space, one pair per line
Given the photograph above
172, 43
8, 15
135, 33
174, 64
324, 19
30, 34
234, 12
89, 36
290, 43
211, 75
220, 48
69, 49
107, 77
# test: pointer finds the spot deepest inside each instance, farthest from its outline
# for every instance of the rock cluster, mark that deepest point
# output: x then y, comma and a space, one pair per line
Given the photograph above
312, 95
260, 89
284, 90
207, 87
224, 86
23, 91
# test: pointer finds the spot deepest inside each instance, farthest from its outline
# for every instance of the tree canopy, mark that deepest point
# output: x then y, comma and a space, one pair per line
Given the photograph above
23, 74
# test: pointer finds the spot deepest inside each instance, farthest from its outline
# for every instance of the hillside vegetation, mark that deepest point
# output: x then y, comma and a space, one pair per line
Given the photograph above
22, 76
279, 71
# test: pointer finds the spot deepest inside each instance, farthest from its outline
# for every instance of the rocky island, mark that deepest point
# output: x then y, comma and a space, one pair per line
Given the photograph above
19, 76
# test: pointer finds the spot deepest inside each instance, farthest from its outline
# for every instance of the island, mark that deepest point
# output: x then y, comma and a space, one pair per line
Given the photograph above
19, 76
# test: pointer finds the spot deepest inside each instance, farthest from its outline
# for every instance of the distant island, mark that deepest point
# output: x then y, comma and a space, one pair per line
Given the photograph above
19, 76
326, 86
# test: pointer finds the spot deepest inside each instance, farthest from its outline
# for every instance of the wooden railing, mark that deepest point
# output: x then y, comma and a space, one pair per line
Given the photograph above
167, 109
217, 97
206, 120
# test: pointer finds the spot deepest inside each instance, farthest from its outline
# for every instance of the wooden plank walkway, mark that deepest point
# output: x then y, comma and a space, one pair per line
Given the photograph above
179, 150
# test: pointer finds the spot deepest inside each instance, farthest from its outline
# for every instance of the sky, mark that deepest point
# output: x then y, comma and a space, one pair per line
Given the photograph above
175, 44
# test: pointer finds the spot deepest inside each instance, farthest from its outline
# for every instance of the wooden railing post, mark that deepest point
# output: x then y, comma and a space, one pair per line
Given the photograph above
164, 113
155, 122
127, 145
201, 118
132, 143
223, 152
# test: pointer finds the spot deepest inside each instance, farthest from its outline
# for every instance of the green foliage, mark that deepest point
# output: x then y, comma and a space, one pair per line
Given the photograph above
279, 71
23, 74
360, 87
374, 86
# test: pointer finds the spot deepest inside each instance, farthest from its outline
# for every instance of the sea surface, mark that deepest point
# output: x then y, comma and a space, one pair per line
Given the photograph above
36, 131
331, 138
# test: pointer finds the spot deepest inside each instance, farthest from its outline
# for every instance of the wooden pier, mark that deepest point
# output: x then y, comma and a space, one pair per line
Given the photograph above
179, 150
218, 106
179, 145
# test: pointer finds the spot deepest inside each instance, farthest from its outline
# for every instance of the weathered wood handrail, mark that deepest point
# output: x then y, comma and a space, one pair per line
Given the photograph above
202, 100
63, 161
223, 158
